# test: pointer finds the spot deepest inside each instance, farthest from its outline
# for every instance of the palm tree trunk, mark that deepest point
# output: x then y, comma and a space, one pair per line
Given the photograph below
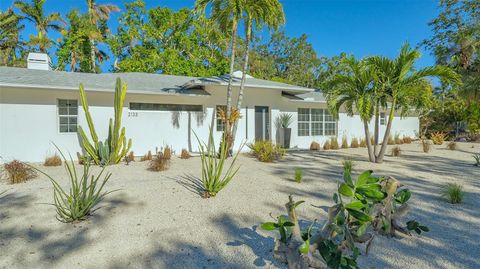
92, 55
387, 133
227, 131
371, 155
248, 37
377, 127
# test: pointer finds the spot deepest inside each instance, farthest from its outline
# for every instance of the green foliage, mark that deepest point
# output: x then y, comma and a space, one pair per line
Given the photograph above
348, 166
476, 157
266, 151
85, 192
453, 193
282, 225
283, 120
438, 137
214, 175
11, 47
115, 147
413, 225
335, 258
298, 175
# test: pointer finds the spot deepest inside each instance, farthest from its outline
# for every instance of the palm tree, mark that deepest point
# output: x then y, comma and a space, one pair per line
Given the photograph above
10, 29
353, 91
227, 14
405, 86
258, 14
34, 13
98, 13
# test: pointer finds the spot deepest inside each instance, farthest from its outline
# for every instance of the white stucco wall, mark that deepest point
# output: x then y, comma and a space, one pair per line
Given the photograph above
29, 121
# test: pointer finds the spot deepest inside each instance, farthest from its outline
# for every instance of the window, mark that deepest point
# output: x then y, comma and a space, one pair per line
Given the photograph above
165, 107
220, 123
316, 122
67, 116
303, 122
382, 118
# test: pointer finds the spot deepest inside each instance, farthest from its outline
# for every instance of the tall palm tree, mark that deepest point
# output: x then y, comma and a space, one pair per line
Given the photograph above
258, 14
96, 14
10, 29
354, 92
227, 14
405, 86
34, 13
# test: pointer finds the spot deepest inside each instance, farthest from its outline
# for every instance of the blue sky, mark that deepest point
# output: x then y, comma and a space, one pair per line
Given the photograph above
361, 27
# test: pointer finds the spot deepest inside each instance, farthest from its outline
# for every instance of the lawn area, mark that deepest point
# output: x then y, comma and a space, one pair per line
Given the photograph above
159, 220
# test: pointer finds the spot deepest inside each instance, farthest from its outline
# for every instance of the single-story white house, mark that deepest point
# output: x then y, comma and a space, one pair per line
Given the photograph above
39, 106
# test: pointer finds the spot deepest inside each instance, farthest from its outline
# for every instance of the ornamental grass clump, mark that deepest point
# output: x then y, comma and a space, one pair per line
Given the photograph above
407, 140
18, 172
426, 145
398, 140
84, 193
314, 146
354, 143
216, 173
438, 137
54, 160
147, 157
363, 209
266, 151
129, 158
298, 175
363, 143
159, 163
334, 143
476, 157
344, 142
396, 152
391, 140
185, 154
327, 145
452, 145
453, 193
167, 153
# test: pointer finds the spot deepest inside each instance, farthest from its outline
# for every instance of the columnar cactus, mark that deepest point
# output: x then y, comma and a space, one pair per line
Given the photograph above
116, 146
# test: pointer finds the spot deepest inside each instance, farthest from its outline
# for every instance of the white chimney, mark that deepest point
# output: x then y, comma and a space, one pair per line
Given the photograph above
39, 61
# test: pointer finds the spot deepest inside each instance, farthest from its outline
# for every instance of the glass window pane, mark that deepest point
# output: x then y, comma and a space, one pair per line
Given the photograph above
317, 114
303, 129
317, 129
72, 128
330, 128
73, 110
303, 114
62, 103
72, 120
63, 128
328, 116
63, 120
63, 111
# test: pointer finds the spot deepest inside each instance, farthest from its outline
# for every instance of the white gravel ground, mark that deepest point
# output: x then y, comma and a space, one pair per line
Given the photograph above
158, 220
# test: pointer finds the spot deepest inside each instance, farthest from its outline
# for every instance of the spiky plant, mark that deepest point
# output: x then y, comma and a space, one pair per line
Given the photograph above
147, 157
214, 175
185, 154
438, 137
453, 193
327, 145
363, 143
396, 152
53, 160
398, 140
476, 157
354, 143
298, 175
348, 166
334, 143
84, 193
115, 147
426, 145
407, 140
391, 140
344, 142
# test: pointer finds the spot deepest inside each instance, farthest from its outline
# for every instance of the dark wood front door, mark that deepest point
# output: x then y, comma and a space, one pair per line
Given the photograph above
262, 123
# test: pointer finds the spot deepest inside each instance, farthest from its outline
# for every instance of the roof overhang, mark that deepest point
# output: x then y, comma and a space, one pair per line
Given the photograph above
289, 89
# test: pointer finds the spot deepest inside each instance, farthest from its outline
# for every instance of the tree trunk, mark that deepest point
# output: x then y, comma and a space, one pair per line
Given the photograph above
248, 37
371, 155
377, 128
227, 131
92, 55
387, 133
189, 131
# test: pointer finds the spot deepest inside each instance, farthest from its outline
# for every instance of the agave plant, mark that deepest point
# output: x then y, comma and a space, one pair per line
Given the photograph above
214, 179
85, 191
283, 120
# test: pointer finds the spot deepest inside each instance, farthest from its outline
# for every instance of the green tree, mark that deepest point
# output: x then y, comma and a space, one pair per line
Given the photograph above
10, 43
34, 12
352, 90
98, 15
404, 86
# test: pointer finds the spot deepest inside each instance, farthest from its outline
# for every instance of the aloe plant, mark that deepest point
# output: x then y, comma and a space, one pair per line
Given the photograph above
115, 147
85, 191
214, 178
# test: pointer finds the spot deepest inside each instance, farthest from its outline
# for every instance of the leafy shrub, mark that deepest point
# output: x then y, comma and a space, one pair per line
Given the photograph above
344, 142
396, 152
54, 160
147, 157
266, 151
185, 154
167, 153
407, 140
452, 145
438, 137
159, 163
453, 193
363, 143
398, 140
214, 178
426, 145
334, 143
84, 194
364, 208
298, 175
348, 165
476, 157
314, 146
354, 143
18, 172
390, 140
327, 145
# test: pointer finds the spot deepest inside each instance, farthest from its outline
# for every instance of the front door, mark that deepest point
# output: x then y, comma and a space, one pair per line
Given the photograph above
262, 123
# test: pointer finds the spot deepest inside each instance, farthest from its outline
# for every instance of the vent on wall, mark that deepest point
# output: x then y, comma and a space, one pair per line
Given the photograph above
38, 61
